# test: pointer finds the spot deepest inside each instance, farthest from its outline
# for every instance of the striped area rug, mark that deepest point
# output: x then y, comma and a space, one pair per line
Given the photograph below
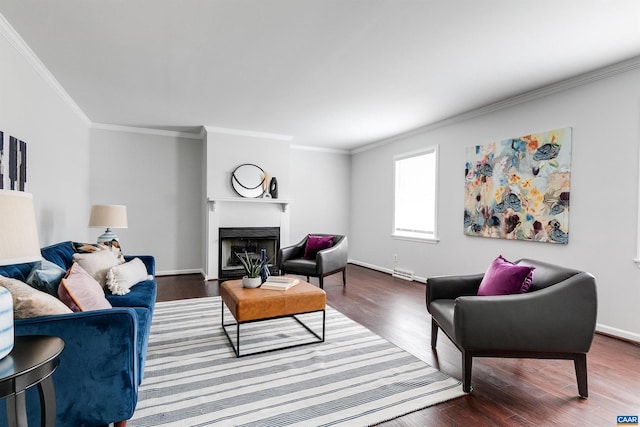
354, 378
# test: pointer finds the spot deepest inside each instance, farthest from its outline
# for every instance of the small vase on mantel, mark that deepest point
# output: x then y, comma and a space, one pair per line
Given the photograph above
264, 272
273, 188
251, 282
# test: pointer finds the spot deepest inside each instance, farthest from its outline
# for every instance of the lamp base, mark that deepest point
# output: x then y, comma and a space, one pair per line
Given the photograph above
6, 322
108, 236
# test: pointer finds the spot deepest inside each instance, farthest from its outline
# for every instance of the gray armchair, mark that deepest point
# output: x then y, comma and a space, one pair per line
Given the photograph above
328, 261
555, 319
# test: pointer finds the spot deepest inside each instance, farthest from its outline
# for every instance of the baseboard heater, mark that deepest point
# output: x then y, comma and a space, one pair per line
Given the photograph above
403, 274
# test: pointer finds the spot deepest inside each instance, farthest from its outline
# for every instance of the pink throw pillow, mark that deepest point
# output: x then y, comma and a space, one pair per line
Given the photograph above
81, 292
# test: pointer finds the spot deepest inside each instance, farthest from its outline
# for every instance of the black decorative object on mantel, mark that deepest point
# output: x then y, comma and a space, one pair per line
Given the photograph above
273, 188
264, 273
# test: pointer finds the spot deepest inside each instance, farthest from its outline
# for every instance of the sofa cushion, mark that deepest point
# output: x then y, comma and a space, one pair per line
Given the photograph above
81, 292
30, 302
97, 264
122, 277
300, 266
17, 271
45, 276
143, 294
504, 277
316, 244
59, 253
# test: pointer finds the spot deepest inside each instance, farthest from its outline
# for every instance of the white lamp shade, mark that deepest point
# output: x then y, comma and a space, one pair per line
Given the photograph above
18, 231
109, 216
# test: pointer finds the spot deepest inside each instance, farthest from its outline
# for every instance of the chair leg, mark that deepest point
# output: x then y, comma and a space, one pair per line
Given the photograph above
344, 277
467, 361
321, 282
434, 333
580, 363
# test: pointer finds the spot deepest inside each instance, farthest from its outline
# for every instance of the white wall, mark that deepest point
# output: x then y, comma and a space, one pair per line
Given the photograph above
605, 117
321, 192
225, 152
159, 178
34, 109
316, 182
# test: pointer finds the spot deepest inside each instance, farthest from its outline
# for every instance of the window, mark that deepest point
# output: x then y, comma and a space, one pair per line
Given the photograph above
415, 195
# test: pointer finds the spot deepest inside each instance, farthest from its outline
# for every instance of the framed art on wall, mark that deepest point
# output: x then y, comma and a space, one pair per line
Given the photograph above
13, 163
519, 188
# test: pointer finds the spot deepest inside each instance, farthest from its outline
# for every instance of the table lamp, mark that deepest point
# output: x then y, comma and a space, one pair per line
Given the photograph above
109, 216
18, 244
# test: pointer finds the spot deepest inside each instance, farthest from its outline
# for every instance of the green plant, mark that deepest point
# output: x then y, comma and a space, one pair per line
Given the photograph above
252, 264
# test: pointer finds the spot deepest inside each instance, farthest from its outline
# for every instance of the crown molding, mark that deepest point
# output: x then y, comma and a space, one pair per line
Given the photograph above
10, 34
319, 149
250, 133
561, 86
146, 131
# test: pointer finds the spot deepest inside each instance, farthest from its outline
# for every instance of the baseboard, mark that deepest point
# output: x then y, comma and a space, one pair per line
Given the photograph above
618, 333
389, 271
178, 272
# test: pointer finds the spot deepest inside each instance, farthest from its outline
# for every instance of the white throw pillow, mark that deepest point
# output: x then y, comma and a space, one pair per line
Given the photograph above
97, 264
122, 277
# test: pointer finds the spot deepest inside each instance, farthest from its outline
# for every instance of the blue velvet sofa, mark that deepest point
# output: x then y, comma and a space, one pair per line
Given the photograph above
102, 363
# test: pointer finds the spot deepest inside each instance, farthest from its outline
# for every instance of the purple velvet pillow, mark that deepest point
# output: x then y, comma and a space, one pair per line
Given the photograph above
315, 244
504, 278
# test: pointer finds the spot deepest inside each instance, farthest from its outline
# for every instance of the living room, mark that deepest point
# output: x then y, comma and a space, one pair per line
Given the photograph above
163, 177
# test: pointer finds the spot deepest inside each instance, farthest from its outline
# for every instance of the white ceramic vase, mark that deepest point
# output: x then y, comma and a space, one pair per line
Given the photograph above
6, 322
251, 282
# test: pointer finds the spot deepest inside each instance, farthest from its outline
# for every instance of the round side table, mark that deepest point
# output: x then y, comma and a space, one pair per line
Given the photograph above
32, 361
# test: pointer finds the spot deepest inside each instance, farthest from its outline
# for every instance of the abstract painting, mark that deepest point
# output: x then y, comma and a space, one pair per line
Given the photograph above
13, 163
519, 188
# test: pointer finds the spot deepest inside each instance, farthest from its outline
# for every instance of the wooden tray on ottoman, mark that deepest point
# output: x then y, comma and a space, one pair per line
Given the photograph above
253, 305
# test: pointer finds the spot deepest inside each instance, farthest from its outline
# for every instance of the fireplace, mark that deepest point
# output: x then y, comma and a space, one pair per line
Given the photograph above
250, 239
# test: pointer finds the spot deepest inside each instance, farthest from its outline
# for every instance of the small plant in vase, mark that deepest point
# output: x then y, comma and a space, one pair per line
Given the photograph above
253, 267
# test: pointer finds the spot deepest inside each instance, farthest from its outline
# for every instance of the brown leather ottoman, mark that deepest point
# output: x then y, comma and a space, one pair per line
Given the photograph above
253, 305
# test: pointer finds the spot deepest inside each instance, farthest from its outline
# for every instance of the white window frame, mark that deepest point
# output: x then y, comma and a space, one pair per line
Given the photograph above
427, 237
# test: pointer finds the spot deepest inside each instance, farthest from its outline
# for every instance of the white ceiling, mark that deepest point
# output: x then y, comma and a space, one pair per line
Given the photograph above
328, 73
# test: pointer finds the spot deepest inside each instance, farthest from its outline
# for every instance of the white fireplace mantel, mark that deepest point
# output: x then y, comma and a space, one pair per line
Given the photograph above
213, 201
241, 212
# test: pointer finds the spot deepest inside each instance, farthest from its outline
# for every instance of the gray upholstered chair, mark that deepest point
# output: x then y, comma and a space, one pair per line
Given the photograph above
328, 261
555, 319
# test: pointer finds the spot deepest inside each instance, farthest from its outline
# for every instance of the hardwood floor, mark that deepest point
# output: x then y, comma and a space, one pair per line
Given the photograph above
506, 392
